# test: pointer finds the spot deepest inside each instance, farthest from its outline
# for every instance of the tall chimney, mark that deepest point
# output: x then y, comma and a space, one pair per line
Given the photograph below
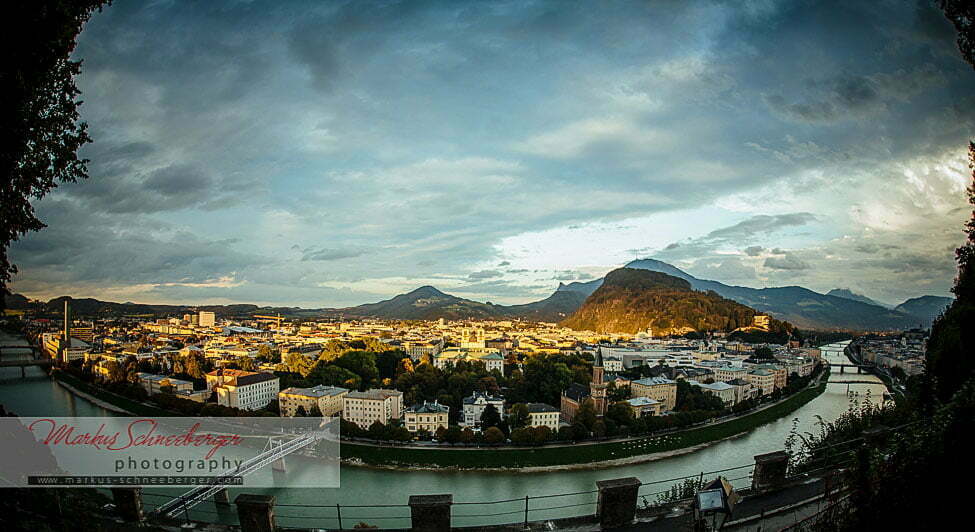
67, 323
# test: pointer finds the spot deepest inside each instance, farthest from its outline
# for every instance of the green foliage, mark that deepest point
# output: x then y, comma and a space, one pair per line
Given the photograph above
586, 416
682, 490
693, 398
948, 360
41, 134
493, 435
490, 417
518, 417
763, 353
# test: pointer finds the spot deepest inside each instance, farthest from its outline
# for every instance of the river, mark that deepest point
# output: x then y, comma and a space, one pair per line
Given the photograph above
38, 395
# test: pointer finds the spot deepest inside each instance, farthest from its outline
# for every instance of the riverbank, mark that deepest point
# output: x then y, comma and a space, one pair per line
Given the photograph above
581, 455
568, 456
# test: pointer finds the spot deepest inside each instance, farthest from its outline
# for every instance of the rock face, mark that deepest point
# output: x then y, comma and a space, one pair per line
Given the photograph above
631, 300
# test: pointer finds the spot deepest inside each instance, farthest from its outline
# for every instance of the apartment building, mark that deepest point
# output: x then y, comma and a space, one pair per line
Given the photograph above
474, 408
658, 388
154, 384
721, 390
247, 390
728, 373
491, 358
329, 400
543, 415
644, 406
762, 379
427, 417
207, 319
365, 408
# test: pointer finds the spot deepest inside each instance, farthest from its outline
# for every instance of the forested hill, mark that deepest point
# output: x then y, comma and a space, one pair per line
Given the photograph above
630, 300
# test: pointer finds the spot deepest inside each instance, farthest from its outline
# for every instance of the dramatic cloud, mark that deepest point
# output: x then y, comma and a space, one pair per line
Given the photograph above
331, 254
788, 262
329, 154
485, 274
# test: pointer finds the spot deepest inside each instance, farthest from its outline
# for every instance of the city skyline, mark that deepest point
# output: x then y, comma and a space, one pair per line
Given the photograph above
325, 156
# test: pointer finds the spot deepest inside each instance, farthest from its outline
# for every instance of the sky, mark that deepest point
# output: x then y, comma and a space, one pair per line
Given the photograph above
326, 154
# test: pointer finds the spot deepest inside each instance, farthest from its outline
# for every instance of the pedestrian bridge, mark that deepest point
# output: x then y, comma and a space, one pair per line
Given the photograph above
274, 451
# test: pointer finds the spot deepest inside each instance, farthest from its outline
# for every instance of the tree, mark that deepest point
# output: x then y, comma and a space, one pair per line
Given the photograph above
467, 435
376, 430
522, 436
493, 435
961, 13
948, 360
246, 363
490, 417
269, 355
541, 434
40, 134
586, 416
453, 434
519, 416
763, 352
621, 413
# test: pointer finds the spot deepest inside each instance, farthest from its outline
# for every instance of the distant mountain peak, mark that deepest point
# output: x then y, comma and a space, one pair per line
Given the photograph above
846, 293
427, 291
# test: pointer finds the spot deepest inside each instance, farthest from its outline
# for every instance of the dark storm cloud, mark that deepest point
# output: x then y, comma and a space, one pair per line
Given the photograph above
326, 254
743, 232
849, 96
762, 224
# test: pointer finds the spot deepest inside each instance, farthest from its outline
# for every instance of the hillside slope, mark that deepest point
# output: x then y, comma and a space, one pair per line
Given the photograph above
631, 300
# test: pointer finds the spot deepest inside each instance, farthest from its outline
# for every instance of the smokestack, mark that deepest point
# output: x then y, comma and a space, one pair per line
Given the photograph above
67, 323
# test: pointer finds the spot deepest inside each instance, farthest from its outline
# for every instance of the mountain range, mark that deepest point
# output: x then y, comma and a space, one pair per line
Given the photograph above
630, 300
800, 306
840, 309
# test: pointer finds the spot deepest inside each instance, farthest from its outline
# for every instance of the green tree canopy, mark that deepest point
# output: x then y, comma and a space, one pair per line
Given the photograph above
39, 129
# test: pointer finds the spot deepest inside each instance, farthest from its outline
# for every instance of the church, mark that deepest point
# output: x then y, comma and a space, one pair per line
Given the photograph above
576, 394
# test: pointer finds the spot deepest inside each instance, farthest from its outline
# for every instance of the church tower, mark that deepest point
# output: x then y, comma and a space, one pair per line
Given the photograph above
597, 388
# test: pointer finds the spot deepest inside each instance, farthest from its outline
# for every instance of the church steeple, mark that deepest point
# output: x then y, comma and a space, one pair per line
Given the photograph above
597, 388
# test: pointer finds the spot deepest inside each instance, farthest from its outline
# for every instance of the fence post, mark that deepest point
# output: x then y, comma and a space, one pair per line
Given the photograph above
526, 511
430, 513
338, 513
128, 501
770, 470
616, 505
222, 497
255, 512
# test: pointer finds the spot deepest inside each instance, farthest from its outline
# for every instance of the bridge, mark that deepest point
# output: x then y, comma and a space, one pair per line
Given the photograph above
35, 359
274, 451
860, 367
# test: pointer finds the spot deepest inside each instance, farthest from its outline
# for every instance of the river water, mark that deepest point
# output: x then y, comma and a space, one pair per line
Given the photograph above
37, 395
